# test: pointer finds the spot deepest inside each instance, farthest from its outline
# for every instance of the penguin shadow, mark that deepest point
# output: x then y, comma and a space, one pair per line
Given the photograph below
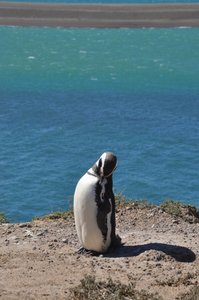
179, 253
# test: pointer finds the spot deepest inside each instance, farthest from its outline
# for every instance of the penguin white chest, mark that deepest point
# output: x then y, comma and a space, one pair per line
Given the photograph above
85, 212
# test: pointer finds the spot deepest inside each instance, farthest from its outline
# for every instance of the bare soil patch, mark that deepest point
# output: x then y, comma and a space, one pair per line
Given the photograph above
38, 260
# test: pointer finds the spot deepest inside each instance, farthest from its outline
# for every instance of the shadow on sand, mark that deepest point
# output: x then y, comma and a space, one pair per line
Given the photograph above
181, 254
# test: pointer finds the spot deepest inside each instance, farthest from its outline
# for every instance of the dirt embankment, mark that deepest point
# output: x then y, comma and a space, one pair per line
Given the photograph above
160, 254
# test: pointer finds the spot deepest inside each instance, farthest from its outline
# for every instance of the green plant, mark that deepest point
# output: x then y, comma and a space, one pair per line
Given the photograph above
176, 281
90, 289
172, 207
3, 218
192, 211
122, 201
65, 215
177, 209
55, 216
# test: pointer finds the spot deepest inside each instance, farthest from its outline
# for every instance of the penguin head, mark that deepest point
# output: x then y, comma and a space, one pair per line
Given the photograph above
105, 165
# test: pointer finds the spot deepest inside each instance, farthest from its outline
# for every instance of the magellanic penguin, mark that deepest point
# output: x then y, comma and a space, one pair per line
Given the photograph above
94, 206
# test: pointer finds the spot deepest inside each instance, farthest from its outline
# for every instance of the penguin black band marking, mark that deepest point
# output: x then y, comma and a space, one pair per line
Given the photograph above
93, 174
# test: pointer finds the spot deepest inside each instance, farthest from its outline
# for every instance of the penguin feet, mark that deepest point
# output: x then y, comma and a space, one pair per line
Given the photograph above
86, 252
117, 242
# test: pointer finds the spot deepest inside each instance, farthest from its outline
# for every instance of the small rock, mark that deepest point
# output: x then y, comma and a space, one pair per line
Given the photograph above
151, 215
7, 242
14, 238
65, 241
28, 233
175, 221
22, 225
128, 208
41, 233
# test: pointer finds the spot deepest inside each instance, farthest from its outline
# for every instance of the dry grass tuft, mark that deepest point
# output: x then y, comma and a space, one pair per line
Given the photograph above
3, 218
90, 289
193, 294
179, 210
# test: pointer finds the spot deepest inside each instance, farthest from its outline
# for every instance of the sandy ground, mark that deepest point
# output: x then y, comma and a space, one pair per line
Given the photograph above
99, 15
38, 260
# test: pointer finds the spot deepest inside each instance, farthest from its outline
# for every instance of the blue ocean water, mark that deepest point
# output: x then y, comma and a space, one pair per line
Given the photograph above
68, 95
105, 1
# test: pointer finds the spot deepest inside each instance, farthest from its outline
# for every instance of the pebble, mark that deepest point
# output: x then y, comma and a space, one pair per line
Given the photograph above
14, 238
128, 208
175, 221
7, 242
158, 265
22, 225
151, 215
28, 233
65, 241
41, 233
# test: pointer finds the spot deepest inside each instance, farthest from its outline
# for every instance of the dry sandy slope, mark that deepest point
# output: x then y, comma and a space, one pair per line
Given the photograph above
38, 260
100, 15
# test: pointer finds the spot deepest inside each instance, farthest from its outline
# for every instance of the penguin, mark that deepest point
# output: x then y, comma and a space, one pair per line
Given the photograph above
94, 207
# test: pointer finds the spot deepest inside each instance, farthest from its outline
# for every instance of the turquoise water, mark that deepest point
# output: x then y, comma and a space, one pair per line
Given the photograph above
104, 1
67, 95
